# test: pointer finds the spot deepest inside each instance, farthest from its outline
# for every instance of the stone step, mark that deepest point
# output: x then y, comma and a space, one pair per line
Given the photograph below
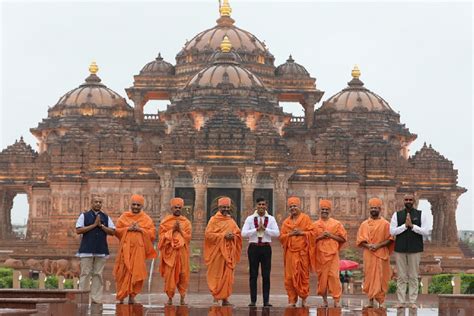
76, 296
47, 306
17, 312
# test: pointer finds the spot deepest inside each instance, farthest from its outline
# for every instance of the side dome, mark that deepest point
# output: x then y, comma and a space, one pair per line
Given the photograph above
225, 70
291, 69
90, 99
356, 97
158, 67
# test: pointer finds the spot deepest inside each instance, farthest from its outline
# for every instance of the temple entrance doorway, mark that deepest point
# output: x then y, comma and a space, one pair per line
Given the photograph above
214, 194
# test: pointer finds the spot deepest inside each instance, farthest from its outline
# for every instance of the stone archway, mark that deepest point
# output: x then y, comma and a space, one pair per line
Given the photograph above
443, 209
7, 196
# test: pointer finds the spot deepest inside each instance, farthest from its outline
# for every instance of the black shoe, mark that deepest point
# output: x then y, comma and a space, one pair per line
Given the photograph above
267, 305
252, 304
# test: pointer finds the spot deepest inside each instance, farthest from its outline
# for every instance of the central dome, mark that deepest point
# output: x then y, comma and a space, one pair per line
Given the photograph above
204, 44
210, 39
225, 70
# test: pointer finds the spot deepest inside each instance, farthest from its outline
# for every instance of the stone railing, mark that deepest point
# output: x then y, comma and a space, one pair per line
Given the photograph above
297, 121
151, 117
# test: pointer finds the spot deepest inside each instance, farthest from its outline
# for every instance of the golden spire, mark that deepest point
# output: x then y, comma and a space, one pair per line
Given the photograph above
224, 8
355, 72
226, 45
93, 68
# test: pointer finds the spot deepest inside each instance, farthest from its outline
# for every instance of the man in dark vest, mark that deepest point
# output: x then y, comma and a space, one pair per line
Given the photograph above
259, 228
408, 226
94, 226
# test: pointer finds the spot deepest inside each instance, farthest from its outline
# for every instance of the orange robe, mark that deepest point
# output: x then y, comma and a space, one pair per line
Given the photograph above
300, 311
327, 257
174, 254
126, 310
135, 247
220, 311
171, 310
377, 271
297, 251
220, 255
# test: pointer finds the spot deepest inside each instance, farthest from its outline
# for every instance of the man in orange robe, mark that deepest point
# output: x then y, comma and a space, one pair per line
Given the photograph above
174, 239
374, 237
222, 249
331, 235
136, 232
297, 239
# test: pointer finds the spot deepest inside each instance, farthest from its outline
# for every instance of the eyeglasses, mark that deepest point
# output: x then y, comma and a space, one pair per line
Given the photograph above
136, 204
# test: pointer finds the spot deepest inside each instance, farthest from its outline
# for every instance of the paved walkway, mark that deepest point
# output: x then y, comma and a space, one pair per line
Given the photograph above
240, 300
201, 305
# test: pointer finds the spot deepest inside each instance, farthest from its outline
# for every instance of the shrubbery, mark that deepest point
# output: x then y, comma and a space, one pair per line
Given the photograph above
6, 281
392, 287
5, 272
441, 284
51, 282
6, 278
28, 283
467, 283
69, 284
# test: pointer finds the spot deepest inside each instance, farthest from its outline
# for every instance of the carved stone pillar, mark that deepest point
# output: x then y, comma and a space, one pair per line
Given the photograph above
200, 176
280, 187
308, 105
437, 228
450, 211
248, 178
6, 204
444, 230
139, 104
167, 190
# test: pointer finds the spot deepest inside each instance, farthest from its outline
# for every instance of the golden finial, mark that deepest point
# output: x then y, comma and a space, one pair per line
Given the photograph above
225, 8
355, 72
226, 45
93, 68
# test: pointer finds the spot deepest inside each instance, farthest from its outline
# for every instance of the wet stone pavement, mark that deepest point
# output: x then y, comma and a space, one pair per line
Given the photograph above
201, 305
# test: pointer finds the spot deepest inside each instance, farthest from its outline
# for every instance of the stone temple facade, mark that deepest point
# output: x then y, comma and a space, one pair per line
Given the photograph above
223, 133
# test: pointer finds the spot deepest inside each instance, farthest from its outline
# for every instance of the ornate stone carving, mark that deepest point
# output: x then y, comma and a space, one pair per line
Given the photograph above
166, 179
200, 175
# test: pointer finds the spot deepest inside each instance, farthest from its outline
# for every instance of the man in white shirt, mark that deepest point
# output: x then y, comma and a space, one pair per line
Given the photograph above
408, 226
259, 228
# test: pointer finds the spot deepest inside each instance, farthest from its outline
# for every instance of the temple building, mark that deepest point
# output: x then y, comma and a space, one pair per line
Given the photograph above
224, 132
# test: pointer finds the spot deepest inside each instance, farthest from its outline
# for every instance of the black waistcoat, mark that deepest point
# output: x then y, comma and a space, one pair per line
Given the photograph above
95, 240
409, 241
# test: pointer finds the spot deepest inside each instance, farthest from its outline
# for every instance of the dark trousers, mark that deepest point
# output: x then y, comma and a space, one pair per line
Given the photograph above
260, 255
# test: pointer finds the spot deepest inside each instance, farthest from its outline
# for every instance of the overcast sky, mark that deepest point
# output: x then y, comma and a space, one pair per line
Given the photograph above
417, 56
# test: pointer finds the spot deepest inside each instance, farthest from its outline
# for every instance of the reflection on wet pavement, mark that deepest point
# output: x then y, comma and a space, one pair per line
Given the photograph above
160, 310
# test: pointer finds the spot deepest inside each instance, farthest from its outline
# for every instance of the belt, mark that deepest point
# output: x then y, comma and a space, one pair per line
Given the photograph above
260, 244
